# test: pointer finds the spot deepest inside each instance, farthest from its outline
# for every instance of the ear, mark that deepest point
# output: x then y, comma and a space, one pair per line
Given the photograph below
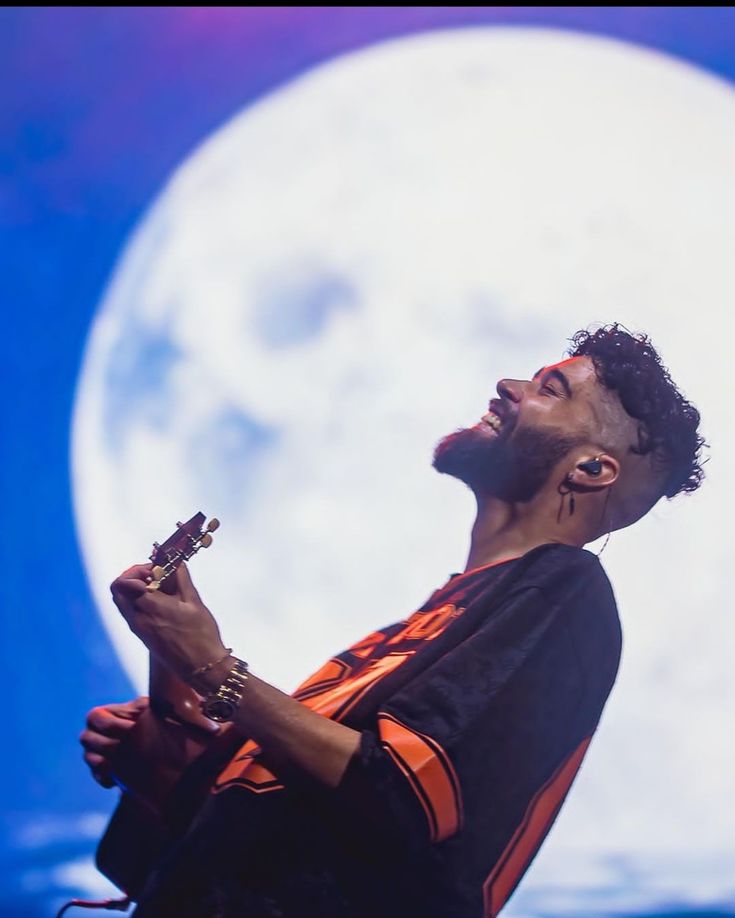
585, 479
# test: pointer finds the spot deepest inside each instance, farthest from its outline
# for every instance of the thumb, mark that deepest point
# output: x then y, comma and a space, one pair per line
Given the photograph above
140, 704
129, 710
127, 588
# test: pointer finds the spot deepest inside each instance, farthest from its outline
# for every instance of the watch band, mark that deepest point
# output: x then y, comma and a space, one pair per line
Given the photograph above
222, 704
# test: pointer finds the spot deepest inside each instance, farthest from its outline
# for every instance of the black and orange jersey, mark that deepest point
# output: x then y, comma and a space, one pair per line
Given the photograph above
475, 713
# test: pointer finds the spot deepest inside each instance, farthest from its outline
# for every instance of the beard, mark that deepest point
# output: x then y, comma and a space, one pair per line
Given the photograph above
513, 467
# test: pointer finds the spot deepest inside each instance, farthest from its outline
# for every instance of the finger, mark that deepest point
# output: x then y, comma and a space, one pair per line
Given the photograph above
98, 742
98, 767
136, 707
95, 761
132, 575
129, 710
128, 588
137, 571
106, 722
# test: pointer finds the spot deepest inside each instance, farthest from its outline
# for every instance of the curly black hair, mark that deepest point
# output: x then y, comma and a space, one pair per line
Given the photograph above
628, 364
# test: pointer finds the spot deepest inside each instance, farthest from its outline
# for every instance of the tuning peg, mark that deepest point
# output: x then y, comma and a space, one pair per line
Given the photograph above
206, 540
213, 524
158, 573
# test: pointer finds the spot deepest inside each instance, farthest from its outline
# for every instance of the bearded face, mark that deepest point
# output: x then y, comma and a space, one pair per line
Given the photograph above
510, 462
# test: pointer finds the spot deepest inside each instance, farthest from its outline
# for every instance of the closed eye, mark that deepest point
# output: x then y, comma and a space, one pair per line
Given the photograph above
555, 373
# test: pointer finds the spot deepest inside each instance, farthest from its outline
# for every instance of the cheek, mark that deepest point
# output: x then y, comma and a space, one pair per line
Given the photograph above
540, 411
548, 415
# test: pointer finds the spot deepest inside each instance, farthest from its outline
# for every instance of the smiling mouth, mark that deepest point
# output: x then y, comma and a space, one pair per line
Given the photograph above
493, 421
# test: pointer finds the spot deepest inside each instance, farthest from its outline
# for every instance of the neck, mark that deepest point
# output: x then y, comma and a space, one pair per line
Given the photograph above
505, 530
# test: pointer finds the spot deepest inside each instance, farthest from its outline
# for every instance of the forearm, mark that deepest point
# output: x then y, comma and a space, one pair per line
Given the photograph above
179, 630
289, 732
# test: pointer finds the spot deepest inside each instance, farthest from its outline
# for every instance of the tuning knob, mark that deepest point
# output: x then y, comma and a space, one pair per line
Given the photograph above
158, 573
213, 524
206, 540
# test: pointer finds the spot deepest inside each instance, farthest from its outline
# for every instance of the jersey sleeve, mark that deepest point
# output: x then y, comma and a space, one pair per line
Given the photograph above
499, 721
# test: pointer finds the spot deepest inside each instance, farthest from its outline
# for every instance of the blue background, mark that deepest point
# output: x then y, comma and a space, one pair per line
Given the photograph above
98, 107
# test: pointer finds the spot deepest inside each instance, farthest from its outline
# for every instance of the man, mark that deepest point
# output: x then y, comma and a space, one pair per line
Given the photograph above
418, 772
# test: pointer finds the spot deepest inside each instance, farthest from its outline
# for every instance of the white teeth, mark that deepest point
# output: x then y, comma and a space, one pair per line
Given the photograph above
493, 420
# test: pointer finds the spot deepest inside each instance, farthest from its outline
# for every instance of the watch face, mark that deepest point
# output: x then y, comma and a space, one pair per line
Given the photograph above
219, 709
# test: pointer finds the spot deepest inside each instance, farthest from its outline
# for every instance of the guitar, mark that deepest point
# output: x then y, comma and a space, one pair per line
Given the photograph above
170, 698
171, 731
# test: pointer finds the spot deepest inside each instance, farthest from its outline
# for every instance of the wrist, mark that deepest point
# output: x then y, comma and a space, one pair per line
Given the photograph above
205, 683
222, 704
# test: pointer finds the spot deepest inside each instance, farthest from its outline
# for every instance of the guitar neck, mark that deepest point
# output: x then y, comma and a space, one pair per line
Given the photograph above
172, 699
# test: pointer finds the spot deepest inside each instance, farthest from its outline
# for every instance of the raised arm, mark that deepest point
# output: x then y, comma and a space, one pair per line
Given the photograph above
180, 631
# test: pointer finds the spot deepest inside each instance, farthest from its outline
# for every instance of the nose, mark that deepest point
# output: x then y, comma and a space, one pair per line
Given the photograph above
512, 389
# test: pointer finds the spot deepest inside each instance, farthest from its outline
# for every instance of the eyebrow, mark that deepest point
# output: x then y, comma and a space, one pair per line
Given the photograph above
557, 374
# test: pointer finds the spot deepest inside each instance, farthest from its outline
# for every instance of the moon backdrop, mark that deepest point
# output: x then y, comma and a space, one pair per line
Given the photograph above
338, 277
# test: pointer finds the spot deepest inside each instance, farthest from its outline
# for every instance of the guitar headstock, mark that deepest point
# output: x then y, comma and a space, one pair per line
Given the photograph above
185, 542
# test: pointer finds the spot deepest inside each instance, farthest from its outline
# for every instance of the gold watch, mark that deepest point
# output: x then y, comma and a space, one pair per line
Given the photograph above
222, 704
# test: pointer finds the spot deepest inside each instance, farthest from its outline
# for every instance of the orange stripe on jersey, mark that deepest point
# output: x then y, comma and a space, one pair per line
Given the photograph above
530, 833
335, 688
326, 693
245, 770
425, 626
332, 673
430, 773
336, 702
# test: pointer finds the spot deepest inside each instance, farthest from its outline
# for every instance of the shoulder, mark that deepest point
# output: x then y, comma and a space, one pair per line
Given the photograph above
559, 553
555, 573
555, 566
574, 581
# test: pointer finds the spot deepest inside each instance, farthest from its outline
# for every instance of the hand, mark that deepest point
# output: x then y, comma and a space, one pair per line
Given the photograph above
107, 727
172, 622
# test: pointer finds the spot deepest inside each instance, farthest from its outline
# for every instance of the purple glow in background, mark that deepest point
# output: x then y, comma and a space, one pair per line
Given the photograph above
98, 107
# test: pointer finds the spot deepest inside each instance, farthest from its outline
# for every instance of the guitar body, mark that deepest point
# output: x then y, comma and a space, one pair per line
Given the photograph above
133, 842
138, 835
139, 830
168, 736
171, 733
